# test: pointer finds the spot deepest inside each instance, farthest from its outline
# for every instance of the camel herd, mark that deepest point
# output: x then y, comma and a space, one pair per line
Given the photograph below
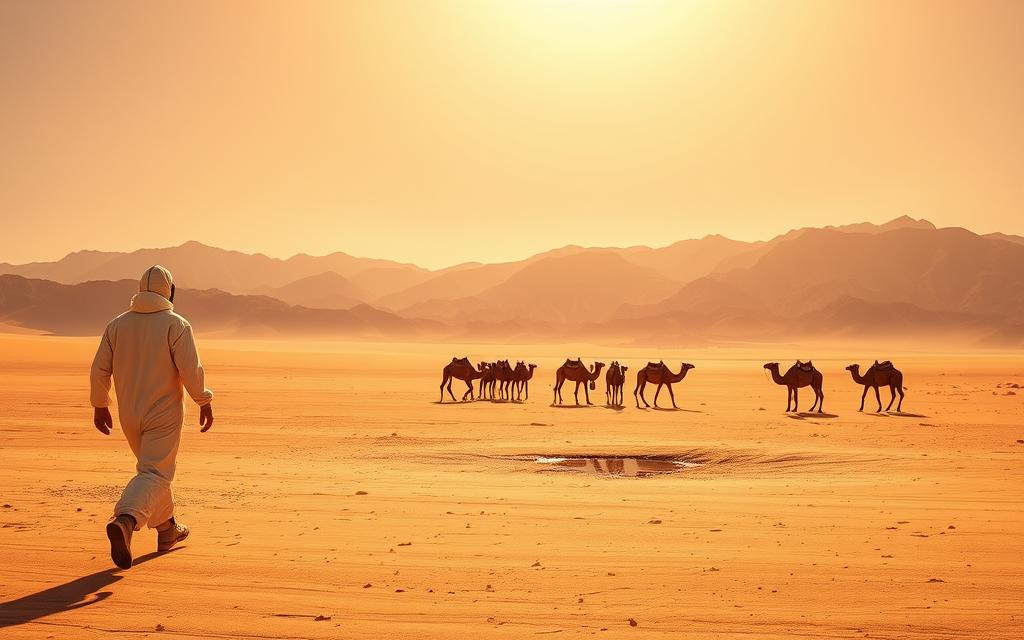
498, 379
501, 381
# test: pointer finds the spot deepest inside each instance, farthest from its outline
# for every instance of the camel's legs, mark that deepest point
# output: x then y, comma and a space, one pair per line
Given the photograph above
878, 397
896, 386
640, 387
862, 396
789, 397
821, 399
892, 392
576, 393
796, 401
443, 382
656, 392
586, 392
526, 385
673, 395
469, 391
558, 390
447, 382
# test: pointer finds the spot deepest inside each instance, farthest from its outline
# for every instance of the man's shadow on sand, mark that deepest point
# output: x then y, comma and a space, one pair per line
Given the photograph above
65, 597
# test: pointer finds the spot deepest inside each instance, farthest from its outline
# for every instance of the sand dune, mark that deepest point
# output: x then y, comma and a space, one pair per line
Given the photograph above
334, 499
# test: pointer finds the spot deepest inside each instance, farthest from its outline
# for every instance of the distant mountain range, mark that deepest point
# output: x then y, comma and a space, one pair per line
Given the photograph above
85, 308
903, 278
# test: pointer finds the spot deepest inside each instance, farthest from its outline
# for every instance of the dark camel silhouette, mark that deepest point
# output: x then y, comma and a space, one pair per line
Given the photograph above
614, 380
505, 375
461, 369
797, 377
880, 374
575, 371
521, 380
658, 373
487, 380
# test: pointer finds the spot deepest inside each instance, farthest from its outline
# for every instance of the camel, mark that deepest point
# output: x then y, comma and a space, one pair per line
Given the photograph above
576, 373
505, 376
880, 374
521, 381
614, 379
487, 380
658, 373
797, 377
462, 369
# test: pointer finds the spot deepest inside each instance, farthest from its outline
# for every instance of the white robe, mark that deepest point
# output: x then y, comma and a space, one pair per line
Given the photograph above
151, 353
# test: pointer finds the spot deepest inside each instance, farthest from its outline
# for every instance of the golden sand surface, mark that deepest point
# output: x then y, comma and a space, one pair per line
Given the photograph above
335, 498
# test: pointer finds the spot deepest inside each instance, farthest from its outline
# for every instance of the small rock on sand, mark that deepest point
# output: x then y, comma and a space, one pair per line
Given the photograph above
632, 622
361, 493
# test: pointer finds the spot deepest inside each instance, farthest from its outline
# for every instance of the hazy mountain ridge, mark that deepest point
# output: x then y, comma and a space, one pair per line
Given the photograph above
85, 308
861, 279
196, 265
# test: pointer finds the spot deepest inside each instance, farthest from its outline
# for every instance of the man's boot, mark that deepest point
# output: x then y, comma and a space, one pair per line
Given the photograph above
119, 531
169, 534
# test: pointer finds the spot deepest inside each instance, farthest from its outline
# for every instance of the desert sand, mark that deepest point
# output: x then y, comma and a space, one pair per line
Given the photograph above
334, 498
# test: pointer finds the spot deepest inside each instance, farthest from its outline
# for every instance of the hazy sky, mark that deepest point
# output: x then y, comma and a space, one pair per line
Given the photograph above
438, 132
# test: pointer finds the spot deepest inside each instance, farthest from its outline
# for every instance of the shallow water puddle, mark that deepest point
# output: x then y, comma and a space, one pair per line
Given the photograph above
617, 466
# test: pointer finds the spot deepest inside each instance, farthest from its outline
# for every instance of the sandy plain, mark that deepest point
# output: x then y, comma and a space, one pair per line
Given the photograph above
335, 498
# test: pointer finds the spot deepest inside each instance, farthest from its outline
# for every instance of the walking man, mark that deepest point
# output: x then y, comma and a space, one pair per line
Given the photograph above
150, 352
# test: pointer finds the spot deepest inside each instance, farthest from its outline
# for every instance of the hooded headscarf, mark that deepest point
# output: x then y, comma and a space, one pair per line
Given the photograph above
154, 291
158, 280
